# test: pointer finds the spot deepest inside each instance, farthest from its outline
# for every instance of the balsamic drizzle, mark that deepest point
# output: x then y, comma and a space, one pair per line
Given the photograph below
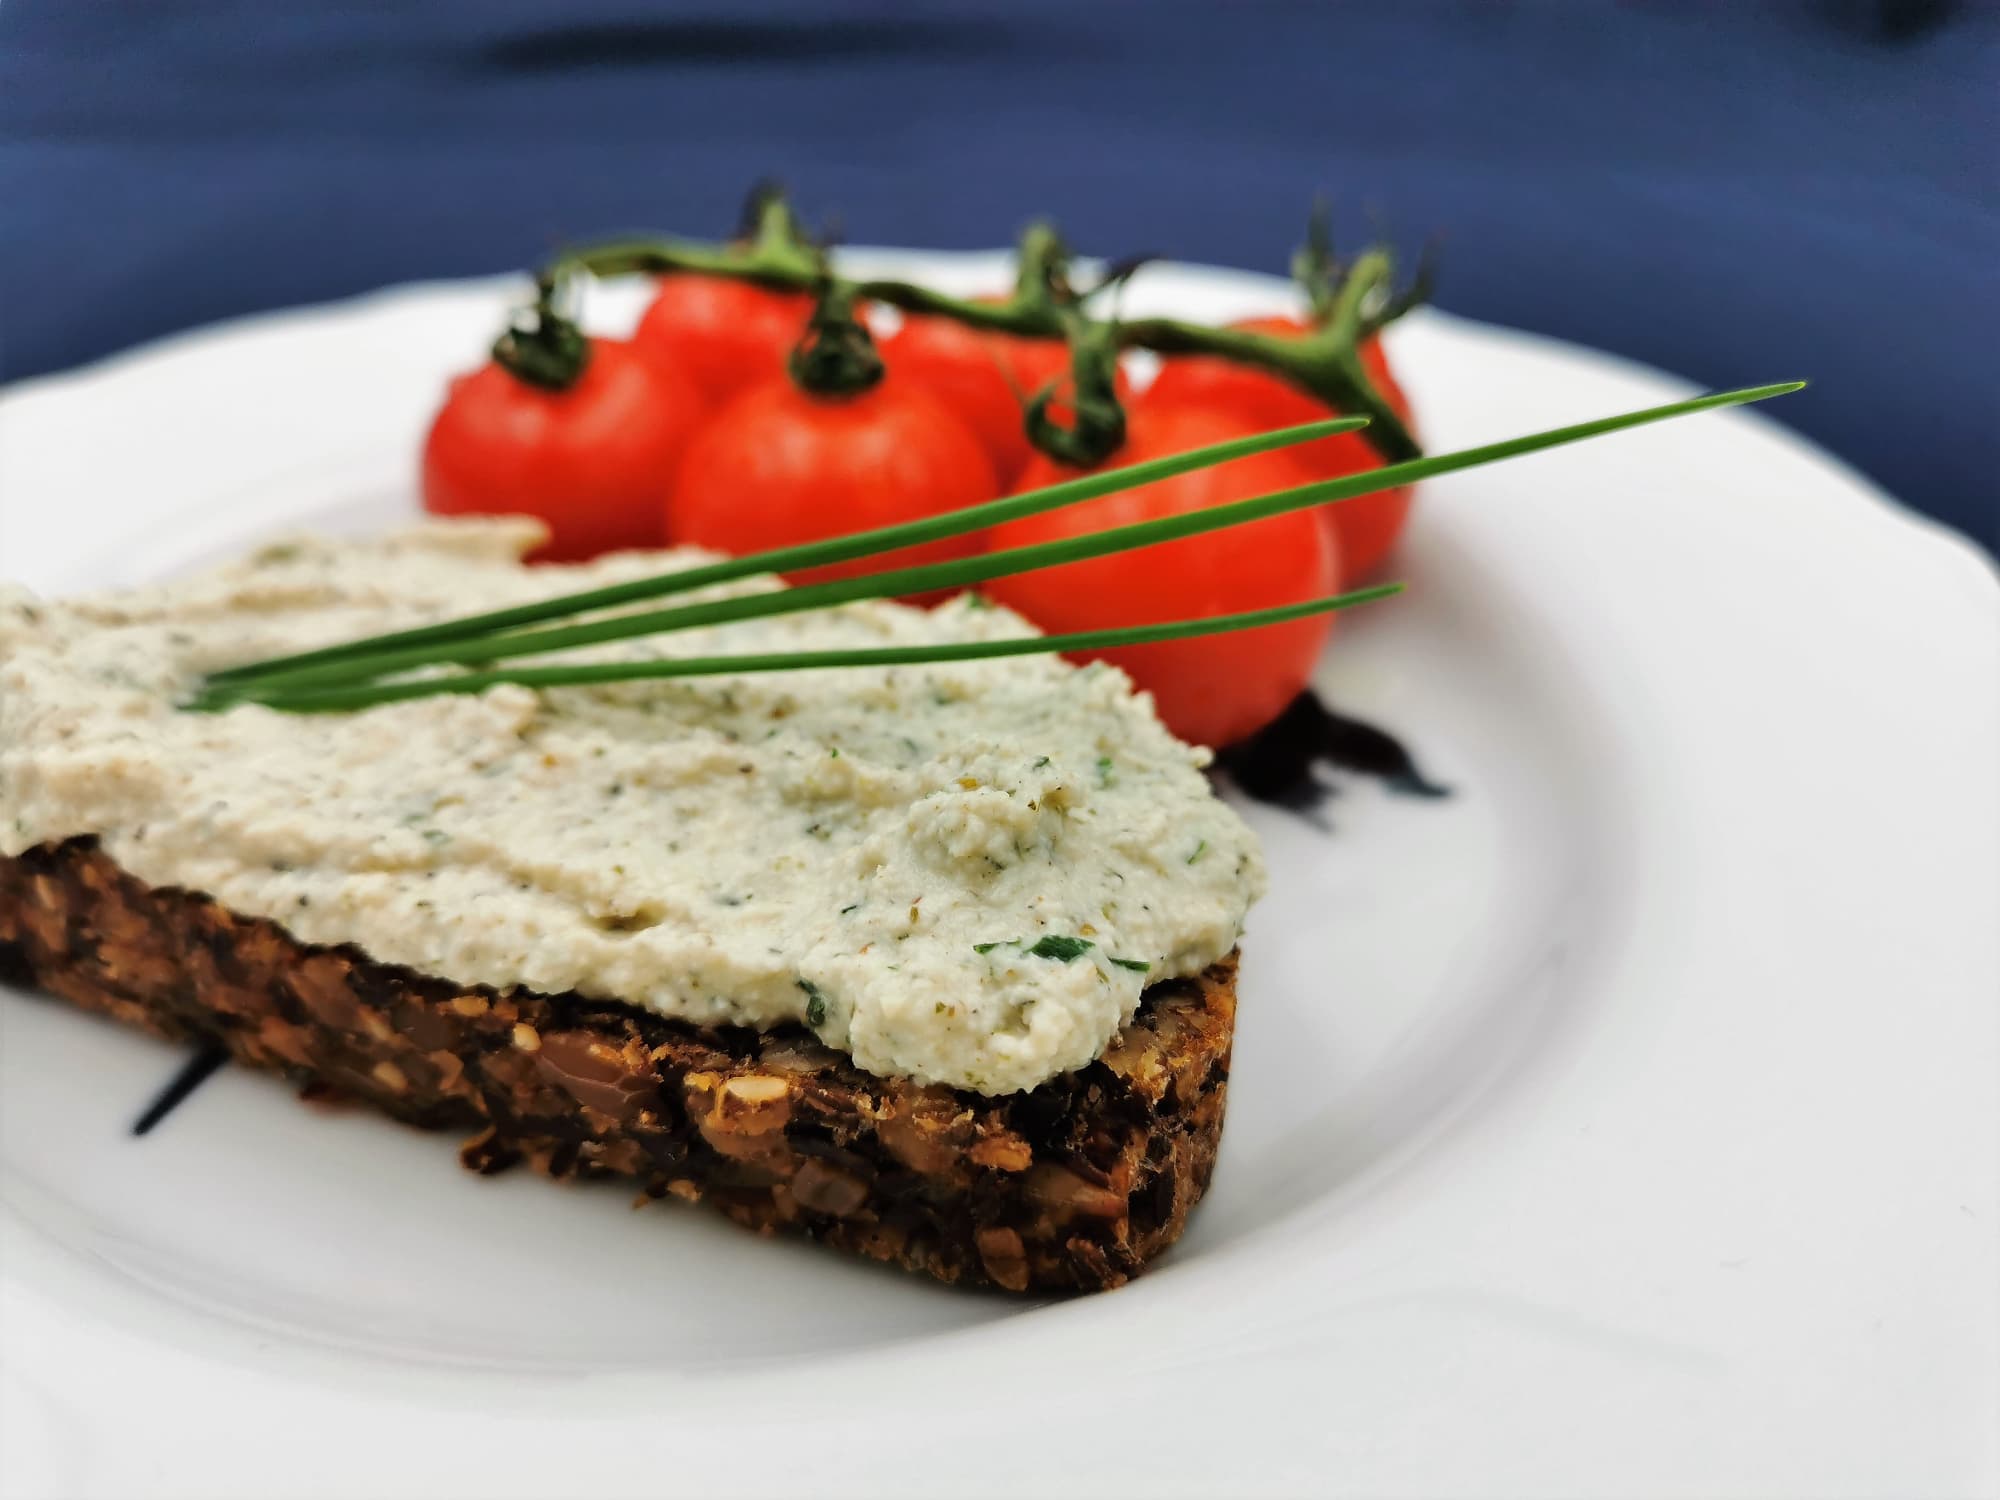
193, 1074
1281, 763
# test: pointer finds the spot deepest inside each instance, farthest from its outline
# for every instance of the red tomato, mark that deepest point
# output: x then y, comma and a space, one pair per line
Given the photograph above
984, 377
723, 335
593, 462
778, 466
1215, 689
971, 372
1368, 525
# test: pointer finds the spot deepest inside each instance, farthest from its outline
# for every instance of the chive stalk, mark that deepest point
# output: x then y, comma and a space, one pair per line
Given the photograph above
294, 676
346, 696
340, 677
804, 555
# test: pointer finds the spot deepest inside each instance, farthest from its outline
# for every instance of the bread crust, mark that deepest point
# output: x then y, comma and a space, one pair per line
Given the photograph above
1073, 1186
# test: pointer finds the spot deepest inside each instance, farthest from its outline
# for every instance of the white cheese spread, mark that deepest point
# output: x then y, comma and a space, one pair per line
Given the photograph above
879, 854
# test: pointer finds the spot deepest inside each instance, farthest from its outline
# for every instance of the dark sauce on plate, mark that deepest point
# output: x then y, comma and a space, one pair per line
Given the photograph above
1284, 763
193, 1074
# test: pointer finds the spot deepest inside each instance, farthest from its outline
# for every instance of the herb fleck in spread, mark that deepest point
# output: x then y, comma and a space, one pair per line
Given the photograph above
837, 849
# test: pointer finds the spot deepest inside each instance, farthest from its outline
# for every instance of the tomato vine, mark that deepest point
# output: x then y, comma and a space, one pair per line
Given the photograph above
1351, 300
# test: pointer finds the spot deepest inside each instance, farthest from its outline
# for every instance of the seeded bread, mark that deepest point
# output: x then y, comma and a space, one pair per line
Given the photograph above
1073, 1186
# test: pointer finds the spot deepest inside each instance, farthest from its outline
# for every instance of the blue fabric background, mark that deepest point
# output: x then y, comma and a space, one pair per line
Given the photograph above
1739, 192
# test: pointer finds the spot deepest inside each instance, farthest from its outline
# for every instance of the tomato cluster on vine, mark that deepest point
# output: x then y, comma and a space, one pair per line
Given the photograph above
708, 428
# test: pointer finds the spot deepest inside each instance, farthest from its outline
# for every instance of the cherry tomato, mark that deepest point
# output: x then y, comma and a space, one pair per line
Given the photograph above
778, 466
1367, 525
984, 377
723, 335
971, 372
593, 462
1216, 689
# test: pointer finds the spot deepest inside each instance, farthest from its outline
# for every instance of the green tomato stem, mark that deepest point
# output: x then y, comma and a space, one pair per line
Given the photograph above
1352, 304
836, 357
541, 346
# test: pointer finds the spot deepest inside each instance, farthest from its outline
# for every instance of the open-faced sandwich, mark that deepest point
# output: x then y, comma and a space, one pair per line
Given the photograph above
880, 924
934, 963
931, 957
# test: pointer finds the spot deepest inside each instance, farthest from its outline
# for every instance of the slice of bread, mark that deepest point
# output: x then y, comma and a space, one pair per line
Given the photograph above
1075, 1185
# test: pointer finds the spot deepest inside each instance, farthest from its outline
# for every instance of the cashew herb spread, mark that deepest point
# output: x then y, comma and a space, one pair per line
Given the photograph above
963, 872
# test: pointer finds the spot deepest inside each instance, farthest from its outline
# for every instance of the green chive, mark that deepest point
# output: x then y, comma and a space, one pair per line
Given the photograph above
1064, 949
367, 694
366, 659
813, 554
815, 1003
1138, 964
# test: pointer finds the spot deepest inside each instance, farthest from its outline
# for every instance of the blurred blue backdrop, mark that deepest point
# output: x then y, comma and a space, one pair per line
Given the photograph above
1736, 191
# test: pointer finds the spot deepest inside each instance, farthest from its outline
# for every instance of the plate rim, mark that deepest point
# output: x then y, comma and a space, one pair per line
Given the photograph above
1955, 551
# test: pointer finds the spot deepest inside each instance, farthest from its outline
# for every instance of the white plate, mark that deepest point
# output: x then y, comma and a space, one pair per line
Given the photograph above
1621, 1127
